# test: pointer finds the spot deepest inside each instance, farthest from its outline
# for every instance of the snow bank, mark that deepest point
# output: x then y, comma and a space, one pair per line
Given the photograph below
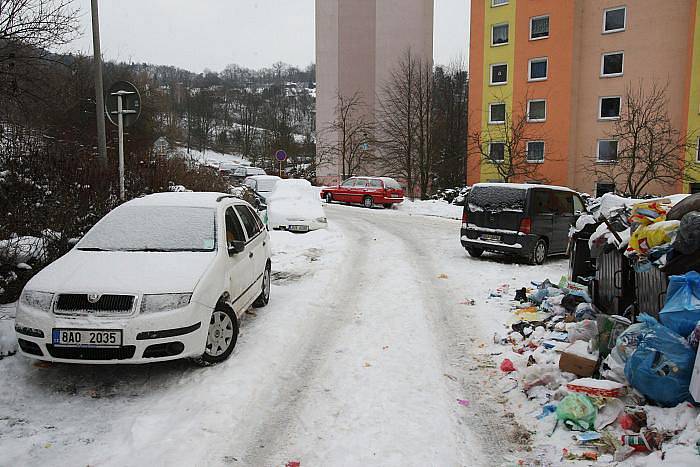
436, 208
8, 342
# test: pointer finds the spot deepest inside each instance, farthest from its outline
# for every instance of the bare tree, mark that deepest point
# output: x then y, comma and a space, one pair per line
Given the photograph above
504, 145
649, 149
348, 138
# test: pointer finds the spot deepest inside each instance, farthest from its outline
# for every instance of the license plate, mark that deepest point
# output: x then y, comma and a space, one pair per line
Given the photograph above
491, 238
298, 228
86, 338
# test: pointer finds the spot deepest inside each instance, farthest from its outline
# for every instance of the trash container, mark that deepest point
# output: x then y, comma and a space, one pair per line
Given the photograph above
613, 286
650, 288
581, 265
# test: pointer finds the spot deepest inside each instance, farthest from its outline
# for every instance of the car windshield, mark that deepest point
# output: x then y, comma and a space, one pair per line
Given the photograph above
391, 183
153, 228
241, 171
497, 198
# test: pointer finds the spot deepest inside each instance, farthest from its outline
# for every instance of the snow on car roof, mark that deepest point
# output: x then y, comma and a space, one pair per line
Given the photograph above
523, 186
186, 199
264, 177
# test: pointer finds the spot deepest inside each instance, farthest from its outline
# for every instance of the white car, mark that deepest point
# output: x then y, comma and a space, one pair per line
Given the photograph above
295, 206
263, 184
161, 277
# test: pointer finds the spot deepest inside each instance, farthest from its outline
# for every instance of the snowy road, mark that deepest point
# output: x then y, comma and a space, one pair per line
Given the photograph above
359, 359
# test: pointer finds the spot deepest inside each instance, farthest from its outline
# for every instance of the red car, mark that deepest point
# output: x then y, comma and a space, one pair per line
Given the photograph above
367, 191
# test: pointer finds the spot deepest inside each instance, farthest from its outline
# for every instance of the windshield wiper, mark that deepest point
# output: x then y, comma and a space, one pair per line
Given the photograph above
92, 249
168, 250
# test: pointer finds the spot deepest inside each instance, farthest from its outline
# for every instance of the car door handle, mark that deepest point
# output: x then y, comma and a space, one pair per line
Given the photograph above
250, 255
264, 243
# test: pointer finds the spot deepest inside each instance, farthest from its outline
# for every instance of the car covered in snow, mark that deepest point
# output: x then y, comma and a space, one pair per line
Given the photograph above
262, 184
241, 173
294, 206
367, 191
226, 169
530, 221
161, 277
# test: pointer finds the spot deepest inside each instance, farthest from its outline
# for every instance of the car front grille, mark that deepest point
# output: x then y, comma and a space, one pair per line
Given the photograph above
91, 353
105, 305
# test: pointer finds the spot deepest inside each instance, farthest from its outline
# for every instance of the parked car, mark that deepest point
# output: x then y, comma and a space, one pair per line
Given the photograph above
530, 221
213, 163
161, 277
262, 184
367, 191
295, 206
241, 173
226, 169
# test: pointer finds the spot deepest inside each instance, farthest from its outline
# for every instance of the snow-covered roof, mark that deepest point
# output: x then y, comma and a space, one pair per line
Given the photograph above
186, 199
524, 186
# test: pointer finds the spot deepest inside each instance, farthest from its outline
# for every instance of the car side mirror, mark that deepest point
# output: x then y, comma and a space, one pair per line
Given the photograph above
236, 247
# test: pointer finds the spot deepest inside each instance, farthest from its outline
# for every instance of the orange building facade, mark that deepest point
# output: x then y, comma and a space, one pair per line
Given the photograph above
564, 66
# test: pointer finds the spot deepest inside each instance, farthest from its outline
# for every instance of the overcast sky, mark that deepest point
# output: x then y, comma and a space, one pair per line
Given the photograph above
199, 34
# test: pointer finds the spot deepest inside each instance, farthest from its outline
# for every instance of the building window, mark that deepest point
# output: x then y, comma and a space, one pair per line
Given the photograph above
497, 152
694, 188
499, 2
614, 20
607, 150
609, 108
497, 113
537, 110
538, 69
602, 188
613, 64
697, 151
499, 34
499, 73
539, 27
535, 151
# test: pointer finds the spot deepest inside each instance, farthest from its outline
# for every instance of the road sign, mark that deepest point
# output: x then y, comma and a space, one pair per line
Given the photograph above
281, 155
131, 103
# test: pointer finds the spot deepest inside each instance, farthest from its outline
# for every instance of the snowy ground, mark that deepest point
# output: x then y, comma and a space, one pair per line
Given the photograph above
370, 353
437, 208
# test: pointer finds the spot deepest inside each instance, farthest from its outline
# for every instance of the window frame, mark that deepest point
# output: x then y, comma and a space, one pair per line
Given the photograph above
599, 183
532, 19
497, 161
536, 120
236, 217
493, 26
240, 209
497, 122
530, 79
605, 15
527, 149
617, 152
499, 83
602, 64
600, 108
496, 5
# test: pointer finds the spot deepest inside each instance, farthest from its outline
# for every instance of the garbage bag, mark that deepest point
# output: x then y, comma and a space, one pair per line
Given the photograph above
577, 412
691, 203
653, 235
681, 312
688, 236
662, 365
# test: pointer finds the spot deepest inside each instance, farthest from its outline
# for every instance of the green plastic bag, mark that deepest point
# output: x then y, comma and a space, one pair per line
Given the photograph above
577, 412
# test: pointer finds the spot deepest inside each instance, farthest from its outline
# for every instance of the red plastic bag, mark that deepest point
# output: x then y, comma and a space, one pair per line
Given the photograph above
507, 366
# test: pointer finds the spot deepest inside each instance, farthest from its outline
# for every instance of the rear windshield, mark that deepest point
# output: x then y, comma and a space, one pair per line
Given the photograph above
497, 198
391, 183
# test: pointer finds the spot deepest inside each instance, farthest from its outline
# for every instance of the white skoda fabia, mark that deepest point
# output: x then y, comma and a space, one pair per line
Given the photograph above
161, 277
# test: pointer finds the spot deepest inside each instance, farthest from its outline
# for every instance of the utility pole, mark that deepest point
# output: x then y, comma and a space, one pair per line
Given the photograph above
99, 89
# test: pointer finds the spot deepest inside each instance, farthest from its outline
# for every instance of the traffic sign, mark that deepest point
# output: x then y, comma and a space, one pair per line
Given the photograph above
281, 155
131, 103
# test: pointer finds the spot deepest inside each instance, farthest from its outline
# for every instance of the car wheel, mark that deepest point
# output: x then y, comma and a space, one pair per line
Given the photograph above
539, 252
475, 252
387, 205
221, 337
329, 198
264, 297
368, 202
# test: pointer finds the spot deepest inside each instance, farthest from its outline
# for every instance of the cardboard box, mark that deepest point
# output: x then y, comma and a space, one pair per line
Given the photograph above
577, 360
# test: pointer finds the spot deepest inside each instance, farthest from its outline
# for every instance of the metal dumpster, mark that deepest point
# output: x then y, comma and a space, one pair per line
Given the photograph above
613, 286
581, 265
650, 291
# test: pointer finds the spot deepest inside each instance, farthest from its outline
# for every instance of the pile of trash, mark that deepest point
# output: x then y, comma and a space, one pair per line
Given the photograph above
599, 387
662, 233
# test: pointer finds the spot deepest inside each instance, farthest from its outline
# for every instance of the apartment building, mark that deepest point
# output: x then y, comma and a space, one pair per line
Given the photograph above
358, 44
563, 67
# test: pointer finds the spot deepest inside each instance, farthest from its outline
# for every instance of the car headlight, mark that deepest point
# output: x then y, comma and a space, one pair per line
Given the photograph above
164, 302
38, 300
322, 220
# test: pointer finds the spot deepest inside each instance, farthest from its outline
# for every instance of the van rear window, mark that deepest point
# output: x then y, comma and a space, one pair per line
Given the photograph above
497, 198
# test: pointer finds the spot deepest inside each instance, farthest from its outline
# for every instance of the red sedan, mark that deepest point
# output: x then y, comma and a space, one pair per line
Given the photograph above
367, 191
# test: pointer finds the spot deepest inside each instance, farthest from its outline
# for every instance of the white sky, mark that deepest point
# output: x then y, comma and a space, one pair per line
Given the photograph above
199, 34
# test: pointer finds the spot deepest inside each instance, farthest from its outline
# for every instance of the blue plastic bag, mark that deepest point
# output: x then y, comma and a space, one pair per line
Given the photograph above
662, 365
682, 310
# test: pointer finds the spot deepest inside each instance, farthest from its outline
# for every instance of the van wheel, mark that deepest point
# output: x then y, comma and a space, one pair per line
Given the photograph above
221, 337
329, 198
539, 252
264, 297
368, 202
387, 205
475, 252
